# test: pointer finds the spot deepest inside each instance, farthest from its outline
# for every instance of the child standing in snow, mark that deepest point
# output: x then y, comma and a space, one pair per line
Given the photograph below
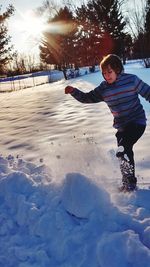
120, 92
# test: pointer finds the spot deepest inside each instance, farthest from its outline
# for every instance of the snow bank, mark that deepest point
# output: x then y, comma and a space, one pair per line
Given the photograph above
73, 223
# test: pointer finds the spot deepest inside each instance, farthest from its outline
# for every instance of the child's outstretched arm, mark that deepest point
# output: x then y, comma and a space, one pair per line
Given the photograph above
93, 96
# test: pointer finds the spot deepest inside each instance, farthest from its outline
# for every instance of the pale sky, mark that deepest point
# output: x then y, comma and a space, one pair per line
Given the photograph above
25, 29
22, 41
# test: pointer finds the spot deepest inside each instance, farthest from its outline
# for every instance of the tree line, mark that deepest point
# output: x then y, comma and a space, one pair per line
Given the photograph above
96, 29
82, 35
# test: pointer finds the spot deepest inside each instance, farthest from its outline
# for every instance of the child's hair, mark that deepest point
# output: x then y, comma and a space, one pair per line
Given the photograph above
114, 61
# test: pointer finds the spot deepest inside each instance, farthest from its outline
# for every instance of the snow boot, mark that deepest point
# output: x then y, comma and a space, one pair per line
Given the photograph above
128, 184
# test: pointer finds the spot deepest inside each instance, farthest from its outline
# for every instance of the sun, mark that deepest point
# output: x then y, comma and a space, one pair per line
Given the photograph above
28, 30
31, 28
30, 25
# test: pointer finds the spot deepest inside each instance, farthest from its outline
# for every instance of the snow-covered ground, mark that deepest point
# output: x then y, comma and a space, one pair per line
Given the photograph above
58, 177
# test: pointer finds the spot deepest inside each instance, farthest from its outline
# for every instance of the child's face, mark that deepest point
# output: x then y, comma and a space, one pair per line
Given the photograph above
109, 75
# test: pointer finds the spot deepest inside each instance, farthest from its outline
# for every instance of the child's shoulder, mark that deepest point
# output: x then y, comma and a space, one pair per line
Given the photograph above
126, 74
129, 76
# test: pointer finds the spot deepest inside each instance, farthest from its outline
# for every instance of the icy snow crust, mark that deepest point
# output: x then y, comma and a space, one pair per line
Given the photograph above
59, 204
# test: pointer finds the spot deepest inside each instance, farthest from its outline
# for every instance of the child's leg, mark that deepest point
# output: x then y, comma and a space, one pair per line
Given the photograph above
127, 139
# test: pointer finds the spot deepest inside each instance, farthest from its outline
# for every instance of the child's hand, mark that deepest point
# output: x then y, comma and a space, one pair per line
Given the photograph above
69, 89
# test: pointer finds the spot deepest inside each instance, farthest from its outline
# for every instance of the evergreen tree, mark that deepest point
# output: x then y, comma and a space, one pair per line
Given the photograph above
87, 40
57, 47
5, 48
105, 30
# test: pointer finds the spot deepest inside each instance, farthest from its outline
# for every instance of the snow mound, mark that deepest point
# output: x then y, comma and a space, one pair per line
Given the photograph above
73, 223
124, 247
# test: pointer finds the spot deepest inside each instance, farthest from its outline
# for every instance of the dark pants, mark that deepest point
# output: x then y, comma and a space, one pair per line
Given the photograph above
127, 138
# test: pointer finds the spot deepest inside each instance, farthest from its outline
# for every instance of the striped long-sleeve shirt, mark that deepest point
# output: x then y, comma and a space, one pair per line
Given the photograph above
121, 97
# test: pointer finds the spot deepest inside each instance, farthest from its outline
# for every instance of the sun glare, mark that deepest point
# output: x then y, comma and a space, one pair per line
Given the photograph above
30, 25
31, 28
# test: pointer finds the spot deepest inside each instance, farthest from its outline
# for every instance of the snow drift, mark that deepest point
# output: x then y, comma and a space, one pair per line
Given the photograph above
72, 223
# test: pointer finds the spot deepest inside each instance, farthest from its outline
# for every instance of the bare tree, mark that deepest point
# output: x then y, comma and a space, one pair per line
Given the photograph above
49, 8
136, 17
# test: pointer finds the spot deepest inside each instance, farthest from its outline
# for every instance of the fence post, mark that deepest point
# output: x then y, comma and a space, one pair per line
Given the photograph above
33, 81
